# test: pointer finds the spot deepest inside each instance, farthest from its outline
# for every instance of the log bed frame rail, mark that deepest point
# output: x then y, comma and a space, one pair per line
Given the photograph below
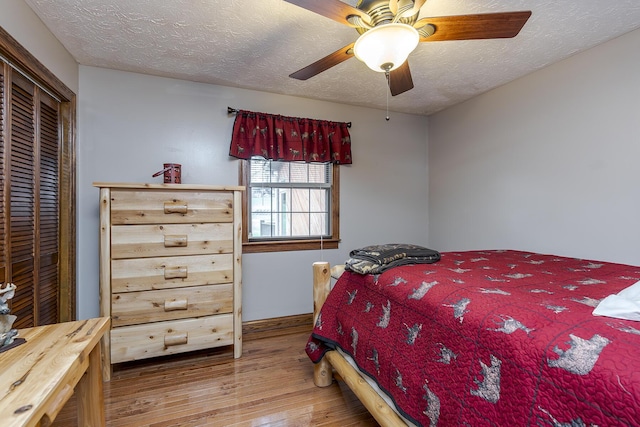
333, 360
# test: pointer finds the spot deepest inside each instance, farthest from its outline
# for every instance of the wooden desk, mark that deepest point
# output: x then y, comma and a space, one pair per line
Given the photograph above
39, 376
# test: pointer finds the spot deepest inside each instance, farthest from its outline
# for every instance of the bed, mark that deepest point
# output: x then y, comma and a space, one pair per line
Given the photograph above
481, 338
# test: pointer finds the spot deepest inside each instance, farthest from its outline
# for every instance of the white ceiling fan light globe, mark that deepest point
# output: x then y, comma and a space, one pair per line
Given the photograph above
386, 44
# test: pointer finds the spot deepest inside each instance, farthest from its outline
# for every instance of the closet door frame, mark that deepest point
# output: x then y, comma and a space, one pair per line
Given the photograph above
19, 58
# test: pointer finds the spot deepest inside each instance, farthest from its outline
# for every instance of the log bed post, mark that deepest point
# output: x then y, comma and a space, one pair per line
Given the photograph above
322, 371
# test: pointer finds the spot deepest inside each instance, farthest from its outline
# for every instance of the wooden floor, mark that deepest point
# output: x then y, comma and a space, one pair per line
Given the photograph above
271, 385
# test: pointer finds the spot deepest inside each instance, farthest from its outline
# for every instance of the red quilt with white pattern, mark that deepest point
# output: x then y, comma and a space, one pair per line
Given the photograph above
491, 338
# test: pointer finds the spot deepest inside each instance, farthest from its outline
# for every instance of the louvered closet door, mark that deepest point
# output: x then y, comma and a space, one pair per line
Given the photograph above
37, 187
31, 163
48, 218
3, 256
22, 204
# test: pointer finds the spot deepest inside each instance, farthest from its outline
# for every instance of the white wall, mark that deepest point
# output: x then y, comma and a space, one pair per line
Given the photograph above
130, 124
17, 18
547, 163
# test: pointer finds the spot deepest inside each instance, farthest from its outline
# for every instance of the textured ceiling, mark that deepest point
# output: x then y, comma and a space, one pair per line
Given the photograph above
256, 44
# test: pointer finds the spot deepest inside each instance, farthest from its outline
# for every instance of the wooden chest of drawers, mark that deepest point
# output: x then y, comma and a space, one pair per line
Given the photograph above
170, 269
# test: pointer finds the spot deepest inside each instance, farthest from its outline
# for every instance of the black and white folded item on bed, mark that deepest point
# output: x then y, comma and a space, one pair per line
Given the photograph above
377, 258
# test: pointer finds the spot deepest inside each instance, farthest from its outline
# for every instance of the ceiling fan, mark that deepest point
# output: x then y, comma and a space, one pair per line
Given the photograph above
394, 24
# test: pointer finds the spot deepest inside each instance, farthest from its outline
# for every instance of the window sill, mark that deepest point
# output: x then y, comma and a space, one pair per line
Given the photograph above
289, 245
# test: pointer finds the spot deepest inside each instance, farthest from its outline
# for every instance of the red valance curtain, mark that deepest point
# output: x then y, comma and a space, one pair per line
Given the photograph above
276, 137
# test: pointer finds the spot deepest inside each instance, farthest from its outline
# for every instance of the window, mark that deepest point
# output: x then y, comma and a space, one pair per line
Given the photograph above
289, 205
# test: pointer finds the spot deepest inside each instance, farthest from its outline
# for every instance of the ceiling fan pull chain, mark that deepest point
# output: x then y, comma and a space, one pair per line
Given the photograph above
386, 89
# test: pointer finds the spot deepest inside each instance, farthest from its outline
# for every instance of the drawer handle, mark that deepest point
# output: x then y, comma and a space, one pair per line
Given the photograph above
175, 273
175, 207
176, 304
175, 241
175, 339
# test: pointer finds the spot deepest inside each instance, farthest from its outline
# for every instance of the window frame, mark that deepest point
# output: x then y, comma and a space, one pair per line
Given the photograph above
294, 244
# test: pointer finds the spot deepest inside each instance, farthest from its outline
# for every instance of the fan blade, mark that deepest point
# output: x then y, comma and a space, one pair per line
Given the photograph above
400, 79
332, 9
325, 63
471, 27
